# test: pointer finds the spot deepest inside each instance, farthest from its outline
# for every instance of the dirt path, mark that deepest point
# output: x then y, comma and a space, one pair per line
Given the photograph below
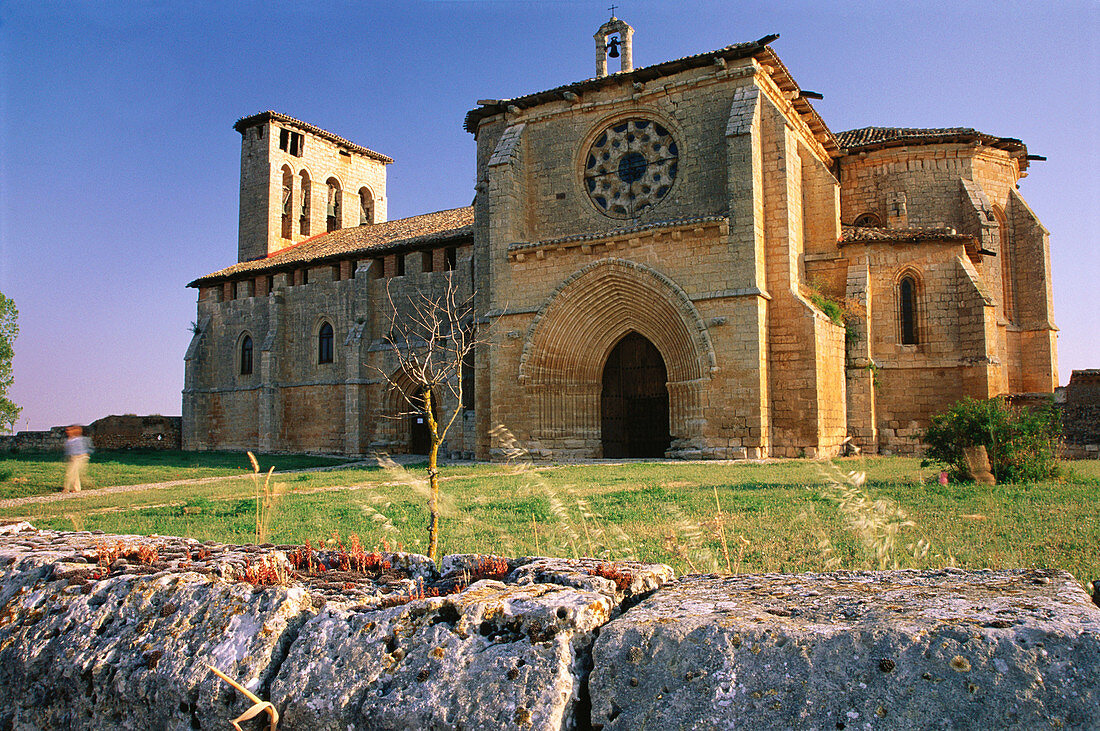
56, 496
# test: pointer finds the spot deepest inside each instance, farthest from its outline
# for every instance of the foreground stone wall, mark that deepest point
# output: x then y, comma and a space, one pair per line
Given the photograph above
547, 644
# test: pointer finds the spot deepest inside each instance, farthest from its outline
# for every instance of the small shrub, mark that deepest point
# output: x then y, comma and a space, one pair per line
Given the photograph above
844, 313
1022, 443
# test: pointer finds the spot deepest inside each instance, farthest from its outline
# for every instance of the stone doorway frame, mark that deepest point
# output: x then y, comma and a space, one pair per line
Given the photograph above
574, 331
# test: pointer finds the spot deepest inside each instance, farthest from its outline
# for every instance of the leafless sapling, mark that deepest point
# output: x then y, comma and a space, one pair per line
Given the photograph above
431, 336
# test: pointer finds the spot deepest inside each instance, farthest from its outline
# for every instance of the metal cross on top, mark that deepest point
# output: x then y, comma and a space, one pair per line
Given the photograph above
612, 9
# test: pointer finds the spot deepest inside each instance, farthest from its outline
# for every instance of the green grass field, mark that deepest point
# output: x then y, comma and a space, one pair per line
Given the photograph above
781, 517
24, 475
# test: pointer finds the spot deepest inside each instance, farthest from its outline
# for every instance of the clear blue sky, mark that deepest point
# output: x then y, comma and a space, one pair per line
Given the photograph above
119, 167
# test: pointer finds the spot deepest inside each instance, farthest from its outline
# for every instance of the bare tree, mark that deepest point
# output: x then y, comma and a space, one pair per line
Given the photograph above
431, 335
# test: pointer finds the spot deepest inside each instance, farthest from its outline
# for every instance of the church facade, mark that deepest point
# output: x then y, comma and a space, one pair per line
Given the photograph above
678, 260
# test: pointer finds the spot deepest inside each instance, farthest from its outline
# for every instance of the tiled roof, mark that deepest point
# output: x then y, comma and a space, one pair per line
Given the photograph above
877, 137
868, 234
401, 235
780, 75
245, 122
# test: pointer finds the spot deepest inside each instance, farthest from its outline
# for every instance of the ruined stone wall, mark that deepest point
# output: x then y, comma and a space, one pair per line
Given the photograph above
1081, 412
136, 432
50, 440
110, 432
538, 643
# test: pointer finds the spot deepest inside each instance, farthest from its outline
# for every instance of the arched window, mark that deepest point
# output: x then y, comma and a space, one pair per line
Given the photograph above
1004, 252
907, 310
366, 206
288, 196
334, 215
868, 220
324, 343
246, 356
303, 214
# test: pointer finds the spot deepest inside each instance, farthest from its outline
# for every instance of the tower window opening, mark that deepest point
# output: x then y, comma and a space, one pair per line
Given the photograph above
303, 213
450, 258
426, 261
291, 142
333, 206
288, 195
366, 207
467, 382
399, 265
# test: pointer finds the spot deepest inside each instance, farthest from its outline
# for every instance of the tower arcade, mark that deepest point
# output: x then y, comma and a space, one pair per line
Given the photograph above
298, 181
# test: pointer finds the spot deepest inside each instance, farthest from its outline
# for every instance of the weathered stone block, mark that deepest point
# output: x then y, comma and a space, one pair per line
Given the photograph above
900, 649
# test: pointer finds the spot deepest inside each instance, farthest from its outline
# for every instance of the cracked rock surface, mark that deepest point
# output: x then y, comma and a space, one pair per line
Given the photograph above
117, 632
856, 650
101, 632
492, 656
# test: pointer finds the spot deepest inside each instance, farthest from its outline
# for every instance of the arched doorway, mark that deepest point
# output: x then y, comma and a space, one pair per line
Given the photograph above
634, 400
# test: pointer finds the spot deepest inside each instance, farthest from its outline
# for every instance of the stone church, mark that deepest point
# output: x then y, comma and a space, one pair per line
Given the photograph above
677, 260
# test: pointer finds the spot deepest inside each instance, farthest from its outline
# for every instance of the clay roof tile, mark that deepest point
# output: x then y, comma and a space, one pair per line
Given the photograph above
404, 234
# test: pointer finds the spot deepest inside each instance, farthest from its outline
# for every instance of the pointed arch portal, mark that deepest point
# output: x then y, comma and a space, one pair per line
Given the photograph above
608, 304
634, 400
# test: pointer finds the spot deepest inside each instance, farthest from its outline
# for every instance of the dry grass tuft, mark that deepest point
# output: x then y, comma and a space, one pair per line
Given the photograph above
267, 498
596, 538
878, 524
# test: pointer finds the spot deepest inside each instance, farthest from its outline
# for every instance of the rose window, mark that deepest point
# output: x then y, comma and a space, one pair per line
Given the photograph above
630, 167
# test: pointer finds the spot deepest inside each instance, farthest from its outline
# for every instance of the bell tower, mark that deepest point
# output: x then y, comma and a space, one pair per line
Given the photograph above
298, 181
614, 47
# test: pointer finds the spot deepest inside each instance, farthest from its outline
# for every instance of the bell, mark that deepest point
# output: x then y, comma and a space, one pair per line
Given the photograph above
613, 45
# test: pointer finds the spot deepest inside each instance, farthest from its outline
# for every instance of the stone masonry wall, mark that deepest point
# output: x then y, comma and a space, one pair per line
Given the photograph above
291, 401
914, 382
531, 200
539, 643
262, 164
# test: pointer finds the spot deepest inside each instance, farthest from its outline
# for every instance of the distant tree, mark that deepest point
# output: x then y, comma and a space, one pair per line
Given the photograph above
9, 330
431, 335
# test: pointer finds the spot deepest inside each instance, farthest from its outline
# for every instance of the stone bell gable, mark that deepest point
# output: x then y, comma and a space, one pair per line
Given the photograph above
658, 257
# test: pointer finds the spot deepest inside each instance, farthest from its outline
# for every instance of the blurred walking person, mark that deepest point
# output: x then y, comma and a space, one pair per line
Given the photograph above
77, 448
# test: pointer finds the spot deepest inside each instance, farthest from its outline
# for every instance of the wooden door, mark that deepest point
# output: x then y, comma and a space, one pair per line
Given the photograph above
420, 434
634, 400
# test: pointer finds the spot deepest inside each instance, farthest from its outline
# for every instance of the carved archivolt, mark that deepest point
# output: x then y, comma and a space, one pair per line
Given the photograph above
574, 331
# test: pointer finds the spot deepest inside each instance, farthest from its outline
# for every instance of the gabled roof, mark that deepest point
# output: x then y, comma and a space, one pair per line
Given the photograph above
757, 49
269, 116
404, 234
866, 139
